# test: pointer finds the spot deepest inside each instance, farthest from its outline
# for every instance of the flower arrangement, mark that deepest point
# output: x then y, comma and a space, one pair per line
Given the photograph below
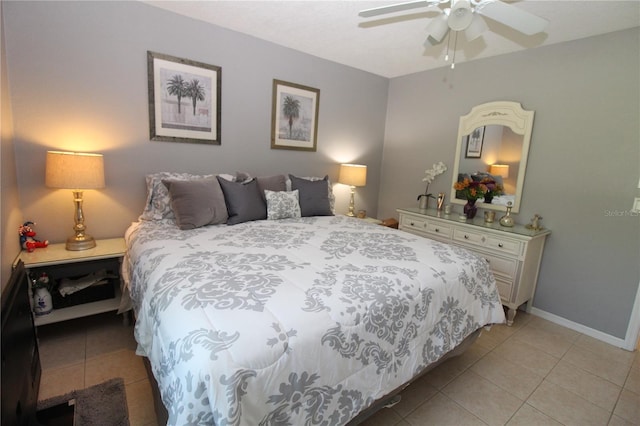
493, 189
471, 189
429, 175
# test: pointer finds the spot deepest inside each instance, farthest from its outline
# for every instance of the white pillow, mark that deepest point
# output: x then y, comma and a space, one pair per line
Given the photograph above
282, 204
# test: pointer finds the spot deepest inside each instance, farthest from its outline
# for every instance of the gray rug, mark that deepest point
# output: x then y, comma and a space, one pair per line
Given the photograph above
100, 405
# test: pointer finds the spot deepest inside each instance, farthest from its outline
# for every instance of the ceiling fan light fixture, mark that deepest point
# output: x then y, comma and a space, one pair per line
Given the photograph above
437, 28
461, 15
476, 28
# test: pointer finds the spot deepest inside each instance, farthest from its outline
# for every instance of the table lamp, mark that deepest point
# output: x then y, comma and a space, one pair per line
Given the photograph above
75, 171
501, 170
352, 175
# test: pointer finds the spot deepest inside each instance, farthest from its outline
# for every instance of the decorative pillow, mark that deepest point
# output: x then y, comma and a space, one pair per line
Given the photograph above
197, 203
243, 201
332, 197
242, 177
272, 183
314, 196
158, 205
282, 204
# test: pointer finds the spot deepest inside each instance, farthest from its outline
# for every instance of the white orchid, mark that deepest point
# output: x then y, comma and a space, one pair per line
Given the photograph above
437, 169
429, 175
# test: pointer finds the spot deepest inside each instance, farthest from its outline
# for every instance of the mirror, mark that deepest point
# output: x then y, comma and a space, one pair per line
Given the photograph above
493, 144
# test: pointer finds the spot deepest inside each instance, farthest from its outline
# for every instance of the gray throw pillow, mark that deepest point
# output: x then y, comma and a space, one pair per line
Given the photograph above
271, 183
243, 200
196, 203
313, 196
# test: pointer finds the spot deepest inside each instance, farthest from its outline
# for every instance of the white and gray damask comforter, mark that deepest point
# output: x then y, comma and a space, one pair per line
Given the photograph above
297, 321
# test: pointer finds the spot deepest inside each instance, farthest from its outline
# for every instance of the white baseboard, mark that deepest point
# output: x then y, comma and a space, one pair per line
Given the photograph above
607, 338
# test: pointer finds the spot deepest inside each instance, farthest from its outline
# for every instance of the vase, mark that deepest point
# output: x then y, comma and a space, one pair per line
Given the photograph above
470, 209
507, 219
488, 198
42, 303
424, 202
440, 201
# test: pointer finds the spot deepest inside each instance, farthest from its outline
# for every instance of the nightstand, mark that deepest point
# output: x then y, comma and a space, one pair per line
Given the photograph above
372, 220
58, 263
390, 223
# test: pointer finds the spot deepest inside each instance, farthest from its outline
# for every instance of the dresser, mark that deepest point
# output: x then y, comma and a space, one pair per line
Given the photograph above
514, 254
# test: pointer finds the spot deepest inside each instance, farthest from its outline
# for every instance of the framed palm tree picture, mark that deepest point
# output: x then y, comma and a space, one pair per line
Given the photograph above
184, 100
294, 116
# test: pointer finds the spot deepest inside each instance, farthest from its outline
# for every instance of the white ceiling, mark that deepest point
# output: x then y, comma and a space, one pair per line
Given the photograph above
392, 45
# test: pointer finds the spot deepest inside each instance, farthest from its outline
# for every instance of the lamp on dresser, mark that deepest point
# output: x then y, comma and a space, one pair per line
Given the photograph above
75, 171
352, 175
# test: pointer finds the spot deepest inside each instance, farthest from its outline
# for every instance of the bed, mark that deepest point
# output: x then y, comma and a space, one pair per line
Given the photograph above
307, 319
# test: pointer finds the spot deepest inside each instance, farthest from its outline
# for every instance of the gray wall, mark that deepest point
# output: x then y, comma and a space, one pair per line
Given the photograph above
583, 165
78, 77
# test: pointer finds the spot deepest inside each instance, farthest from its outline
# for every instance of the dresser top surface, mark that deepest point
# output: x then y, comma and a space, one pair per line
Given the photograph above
476, 222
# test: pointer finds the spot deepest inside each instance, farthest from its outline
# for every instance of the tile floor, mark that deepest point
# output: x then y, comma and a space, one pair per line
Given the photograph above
534, 373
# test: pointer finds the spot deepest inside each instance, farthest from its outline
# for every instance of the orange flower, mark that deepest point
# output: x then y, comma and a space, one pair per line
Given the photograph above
472, 190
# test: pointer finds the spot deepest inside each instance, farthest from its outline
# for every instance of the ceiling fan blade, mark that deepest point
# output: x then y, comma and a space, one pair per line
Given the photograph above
397, 7
511, 16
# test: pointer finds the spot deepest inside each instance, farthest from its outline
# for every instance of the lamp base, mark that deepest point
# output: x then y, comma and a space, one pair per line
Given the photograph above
78, 243
352, 204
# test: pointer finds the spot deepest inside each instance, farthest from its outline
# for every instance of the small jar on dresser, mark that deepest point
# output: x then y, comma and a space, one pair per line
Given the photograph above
514, 254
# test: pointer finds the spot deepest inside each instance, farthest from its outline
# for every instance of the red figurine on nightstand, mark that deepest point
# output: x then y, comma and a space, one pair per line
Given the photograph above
27, 241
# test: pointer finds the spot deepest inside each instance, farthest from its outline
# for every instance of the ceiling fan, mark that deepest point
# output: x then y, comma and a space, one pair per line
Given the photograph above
467, 16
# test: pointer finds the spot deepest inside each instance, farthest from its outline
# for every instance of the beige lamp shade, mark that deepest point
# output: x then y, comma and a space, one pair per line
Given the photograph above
353, 174
501, 170
74, 170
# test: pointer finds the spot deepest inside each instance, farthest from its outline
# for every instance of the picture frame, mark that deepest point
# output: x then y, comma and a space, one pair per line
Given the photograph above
474, 143
184, 100
294, 116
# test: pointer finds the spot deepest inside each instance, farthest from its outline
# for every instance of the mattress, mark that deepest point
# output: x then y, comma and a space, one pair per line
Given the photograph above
296, 321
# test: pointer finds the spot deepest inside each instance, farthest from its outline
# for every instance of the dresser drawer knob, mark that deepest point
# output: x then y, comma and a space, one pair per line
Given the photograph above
466, 237
500, 245
437, 229
488, 261
412, 224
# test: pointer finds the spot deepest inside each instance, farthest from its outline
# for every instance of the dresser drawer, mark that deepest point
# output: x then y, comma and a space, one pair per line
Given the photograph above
505, 268
504, 245
439, 230
413, 223
469, 237
504, 289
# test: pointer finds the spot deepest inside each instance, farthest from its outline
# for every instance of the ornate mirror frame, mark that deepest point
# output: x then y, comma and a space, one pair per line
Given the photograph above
503, 113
